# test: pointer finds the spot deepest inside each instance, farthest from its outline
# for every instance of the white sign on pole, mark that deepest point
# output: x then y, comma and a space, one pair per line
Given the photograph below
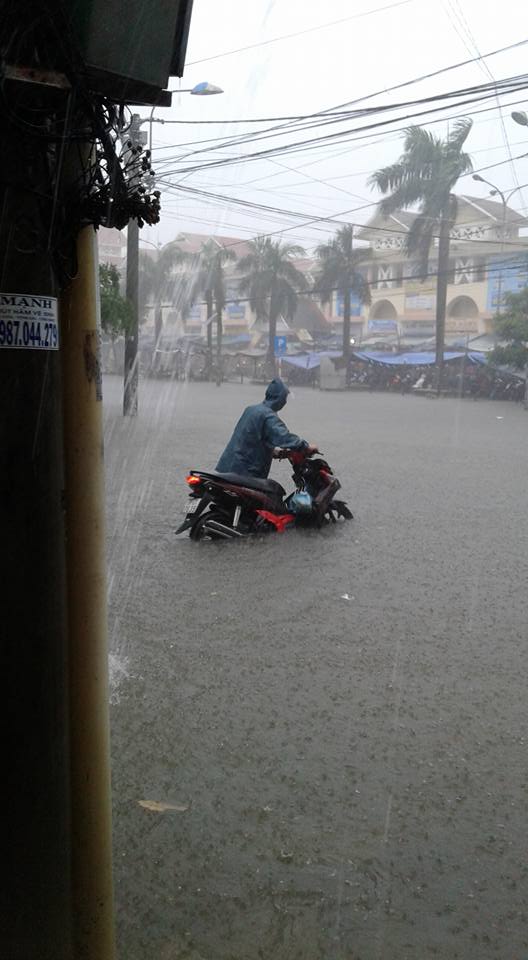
28, 322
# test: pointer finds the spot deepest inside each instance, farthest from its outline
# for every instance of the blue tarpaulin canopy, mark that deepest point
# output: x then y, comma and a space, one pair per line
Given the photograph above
423, 359
308, 361
232, 339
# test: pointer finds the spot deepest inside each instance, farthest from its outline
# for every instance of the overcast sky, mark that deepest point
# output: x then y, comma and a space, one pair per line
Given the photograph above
371, 50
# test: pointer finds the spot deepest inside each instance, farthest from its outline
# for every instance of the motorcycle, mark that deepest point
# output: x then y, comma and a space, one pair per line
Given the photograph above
226, 506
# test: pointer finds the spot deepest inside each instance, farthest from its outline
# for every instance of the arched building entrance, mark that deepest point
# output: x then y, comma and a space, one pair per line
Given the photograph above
383, 310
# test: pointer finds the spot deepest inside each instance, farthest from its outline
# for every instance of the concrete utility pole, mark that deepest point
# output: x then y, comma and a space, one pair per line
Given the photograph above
131, 370
91, 827
446, 225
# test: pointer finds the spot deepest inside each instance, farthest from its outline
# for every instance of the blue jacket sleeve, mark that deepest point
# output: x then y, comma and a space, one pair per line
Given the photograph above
276, 434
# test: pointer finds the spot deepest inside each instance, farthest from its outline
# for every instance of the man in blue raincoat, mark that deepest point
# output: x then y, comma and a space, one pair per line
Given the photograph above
258, 433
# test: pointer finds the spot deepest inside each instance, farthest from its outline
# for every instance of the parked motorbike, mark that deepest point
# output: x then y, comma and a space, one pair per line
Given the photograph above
227, 506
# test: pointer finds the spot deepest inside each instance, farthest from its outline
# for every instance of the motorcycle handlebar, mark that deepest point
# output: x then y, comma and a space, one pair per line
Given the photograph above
280, 453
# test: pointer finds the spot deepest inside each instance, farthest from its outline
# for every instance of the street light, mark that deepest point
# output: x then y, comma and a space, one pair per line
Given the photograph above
520, 117
202, 89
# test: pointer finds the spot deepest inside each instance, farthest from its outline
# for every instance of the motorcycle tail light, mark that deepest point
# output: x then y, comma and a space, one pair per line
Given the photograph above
192, 480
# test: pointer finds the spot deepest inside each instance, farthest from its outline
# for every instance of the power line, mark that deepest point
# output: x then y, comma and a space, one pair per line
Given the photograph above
292, 213
475, 93
348, 150
327, 181
385, 90
520, 83
228, 226
429, 76
487, 70
328, 112
486, 271
299, 33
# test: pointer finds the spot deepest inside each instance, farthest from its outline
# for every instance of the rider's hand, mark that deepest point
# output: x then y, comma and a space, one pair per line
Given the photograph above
310, 450
277, 453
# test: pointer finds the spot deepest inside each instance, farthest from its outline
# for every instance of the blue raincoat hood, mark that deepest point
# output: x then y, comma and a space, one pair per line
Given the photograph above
276, 394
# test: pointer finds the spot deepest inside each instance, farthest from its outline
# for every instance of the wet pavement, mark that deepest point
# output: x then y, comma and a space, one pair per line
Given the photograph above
337, 720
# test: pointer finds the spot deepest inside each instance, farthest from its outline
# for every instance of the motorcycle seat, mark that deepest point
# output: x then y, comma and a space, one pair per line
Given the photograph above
268, 486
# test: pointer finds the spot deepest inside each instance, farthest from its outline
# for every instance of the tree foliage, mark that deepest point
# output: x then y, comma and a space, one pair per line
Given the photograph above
339, 269
157, 278
424, 177
209, 279
116, 312
209, 282
511, 325
272, 282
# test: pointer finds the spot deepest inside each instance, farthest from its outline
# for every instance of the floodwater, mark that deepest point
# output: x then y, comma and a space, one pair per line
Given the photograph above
336, 721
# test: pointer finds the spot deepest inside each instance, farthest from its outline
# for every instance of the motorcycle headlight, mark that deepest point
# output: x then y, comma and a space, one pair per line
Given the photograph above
301, 502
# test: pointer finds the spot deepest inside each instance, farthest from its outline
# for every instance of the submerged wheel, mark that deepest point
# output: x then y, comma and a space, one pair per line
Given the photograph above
200, 531
339, 508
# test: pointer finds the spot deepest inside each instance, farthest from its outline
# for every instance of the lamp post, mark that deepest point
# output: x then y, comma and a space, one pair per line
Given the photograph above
135, 136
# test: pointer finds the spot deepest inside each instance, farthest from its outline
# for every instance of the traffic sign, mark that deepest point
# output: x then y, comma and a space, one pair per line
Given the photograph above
280, 346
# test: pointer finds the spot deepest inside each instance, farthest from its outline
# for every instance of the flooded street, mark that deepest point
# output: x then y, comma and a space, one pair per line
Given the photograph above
336, 721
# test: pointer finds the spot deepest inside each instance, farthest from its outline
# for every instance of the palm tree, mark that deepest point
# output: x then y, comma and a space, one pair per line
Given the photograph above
339, 270
272, 283
426, 174
209, 283
157, 280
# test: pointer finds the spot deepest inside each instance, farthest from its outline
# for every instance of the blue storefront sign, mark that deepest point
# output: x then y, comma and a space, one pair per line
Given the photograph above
280, 346
355, 305
235, 309
505, 275
383, 326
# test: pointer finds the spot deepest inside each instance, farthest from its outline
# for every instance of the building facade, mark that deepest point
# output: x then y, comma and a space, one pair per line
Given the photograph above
488, 257
112, 247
